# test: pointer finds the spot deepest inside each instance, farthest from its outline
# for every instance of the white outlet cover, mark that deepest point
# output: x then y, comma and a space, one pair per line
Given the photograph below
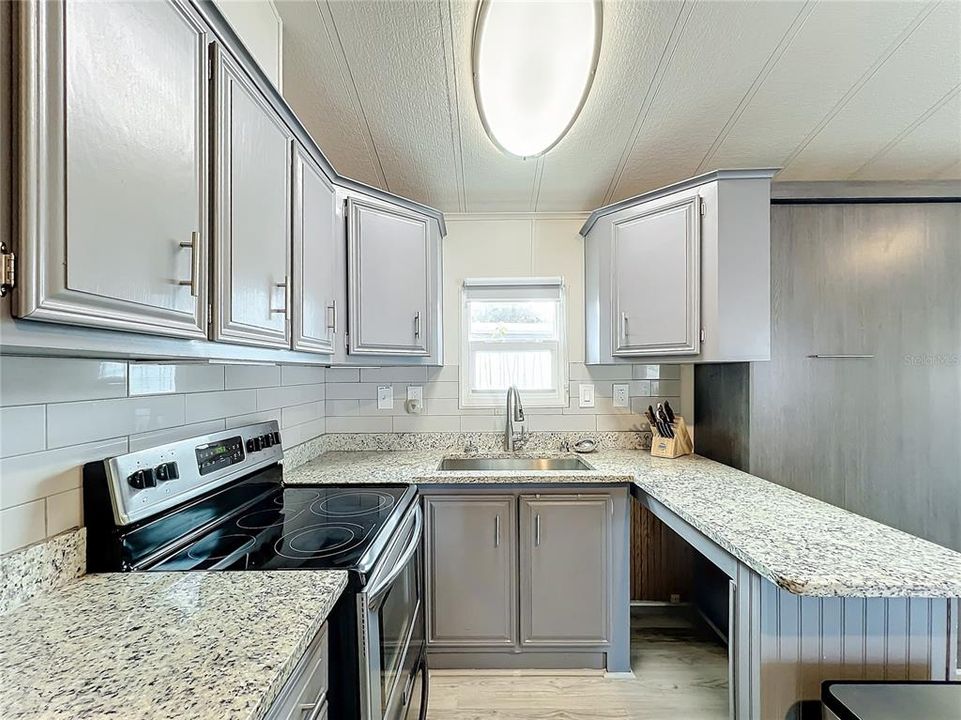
385, 397
585, 396
621, 395
415, 392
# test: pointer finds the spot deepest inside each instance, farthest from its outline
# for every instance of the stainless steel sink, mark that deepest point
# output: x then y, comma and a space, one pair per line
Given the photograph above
520, 463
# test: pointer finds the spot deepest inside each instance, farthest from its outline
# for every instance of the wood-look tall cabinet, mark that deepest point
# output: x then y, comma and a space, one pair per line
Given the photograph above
113, 166
252, 227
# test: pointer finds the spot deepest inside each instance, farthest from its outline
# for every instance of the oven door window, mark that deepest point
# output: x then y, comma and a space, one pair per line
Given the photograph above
396, 618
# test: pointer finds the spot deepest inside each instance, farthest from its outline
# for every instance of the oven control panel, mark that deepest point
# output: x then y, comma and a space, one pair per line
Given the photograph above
148, 481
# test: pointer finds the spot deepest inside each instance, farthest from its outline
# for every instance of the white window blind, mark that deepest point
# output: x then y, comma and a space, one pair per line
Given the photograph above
513, 334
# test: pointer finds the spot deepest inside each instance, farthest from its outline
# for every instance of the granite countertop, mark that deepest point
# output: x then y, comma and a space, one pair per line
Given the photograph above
159, 645
801, 544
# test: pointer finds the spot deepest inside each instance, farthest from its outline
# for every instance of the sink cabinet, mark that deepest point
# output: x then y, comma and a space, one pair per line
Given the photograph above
566, 569
471, 559
527, 577
681, 274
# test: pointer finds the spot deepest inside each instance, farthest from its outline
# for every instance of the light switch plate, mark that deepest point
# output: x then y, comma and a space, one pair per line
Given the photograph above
585, 397
621, 395
415, 392
385, 397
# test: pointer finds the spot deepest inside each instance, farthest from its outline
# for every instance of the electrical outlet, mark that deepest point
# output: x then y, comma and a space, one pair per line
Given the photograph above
675, 598
621, 395
415, 392
385, 397
585, 396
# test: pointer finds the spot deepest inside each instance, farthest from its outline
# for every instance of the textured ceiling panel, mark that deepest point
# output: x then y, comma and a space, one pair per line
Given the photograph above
832, 90
916, 77
838, 46
926, 150
395, 50
579, 169
318, 88
724, 50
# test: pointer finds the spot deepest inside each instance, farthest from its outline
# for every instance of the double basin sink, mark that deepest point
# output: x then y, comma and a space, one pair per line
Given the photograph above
514, 463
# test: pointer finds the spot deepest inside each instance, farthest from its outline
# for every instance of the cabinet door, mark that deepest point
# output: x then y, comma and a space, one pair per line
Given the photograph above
389, 261
114, 166
252, 230
471, 570
656, 280
315, 257
566, 569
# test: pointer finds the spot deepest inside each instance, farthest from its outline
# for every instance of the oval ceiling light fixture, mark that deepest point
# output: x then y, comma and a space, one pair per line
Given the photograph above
534, 62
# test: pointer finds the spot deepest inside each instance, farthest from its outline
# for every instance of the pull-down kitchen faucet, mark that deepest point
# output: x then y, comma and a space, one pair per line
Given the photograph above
515, 414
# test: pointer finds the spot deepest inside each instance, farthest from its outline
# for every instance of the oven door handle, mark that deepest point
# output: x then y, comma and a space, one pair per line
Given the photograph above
376, 593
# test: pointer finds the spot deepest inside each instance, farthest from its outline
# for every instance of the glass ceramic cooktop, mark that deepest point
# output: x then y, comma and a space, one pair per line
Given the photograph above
309, 527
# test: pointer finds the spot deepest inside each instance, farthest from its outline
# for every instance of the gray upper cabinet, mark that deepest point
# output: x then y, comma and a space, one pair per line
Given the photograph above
566, 568
390, 264
315, 322
252, 223
471, 551
113, 166
681, 274
657, 274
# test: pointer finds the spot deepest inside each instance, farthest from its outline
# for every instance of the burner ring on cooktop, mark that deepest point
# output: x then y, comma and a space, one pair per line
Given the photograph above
296, 545
220, 546
290, 498
323, 507
260, 519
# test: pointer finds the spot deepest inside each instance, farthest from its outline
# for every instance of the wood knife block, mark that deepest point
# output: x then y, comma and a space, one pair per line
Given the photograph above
676, 446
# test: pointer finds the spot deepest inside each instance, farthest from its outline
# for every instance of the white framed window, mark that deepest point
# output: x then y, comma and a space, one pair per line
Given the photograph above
513, 333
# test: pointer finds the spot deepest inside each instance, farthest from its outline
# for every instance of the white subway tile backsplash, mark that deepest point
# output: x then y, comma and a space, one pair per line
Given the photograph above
640, 388
657, 372
253, 418
23, 429
208, 406
415, 375
142, 441
303, 374
351, 391
579, 371
64, 511
614, 423
666, 388
427, 423
560, 423
441, 390
359, 424
32, 380
81, 422
445, 373
243, 377
342, 408
159, 379
482, 423
30, 477
278, 397
299, 414
343, 375
22, 525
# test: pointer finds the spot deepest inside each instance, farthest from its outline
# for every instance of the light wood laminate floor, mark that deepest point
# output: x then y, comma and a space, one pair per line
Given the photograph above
680, 672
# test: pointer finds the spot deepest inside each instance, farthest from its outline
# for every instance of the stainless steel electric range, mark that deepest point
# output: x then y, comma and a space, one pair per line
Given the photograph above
218, 502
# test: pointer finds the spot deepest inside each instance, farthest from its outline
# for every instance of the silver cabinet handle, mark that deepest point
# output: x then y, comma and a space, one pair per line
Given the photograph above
841, 357
417, 324
194, 246
537, 530
332, 317
624, 326
731, 644
286, 286
497, 531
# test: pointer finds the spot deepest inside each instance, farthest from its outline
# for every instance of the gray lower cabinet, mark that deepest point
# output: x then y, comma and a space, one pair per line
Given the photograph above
566, 569
471, 565
304, 697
